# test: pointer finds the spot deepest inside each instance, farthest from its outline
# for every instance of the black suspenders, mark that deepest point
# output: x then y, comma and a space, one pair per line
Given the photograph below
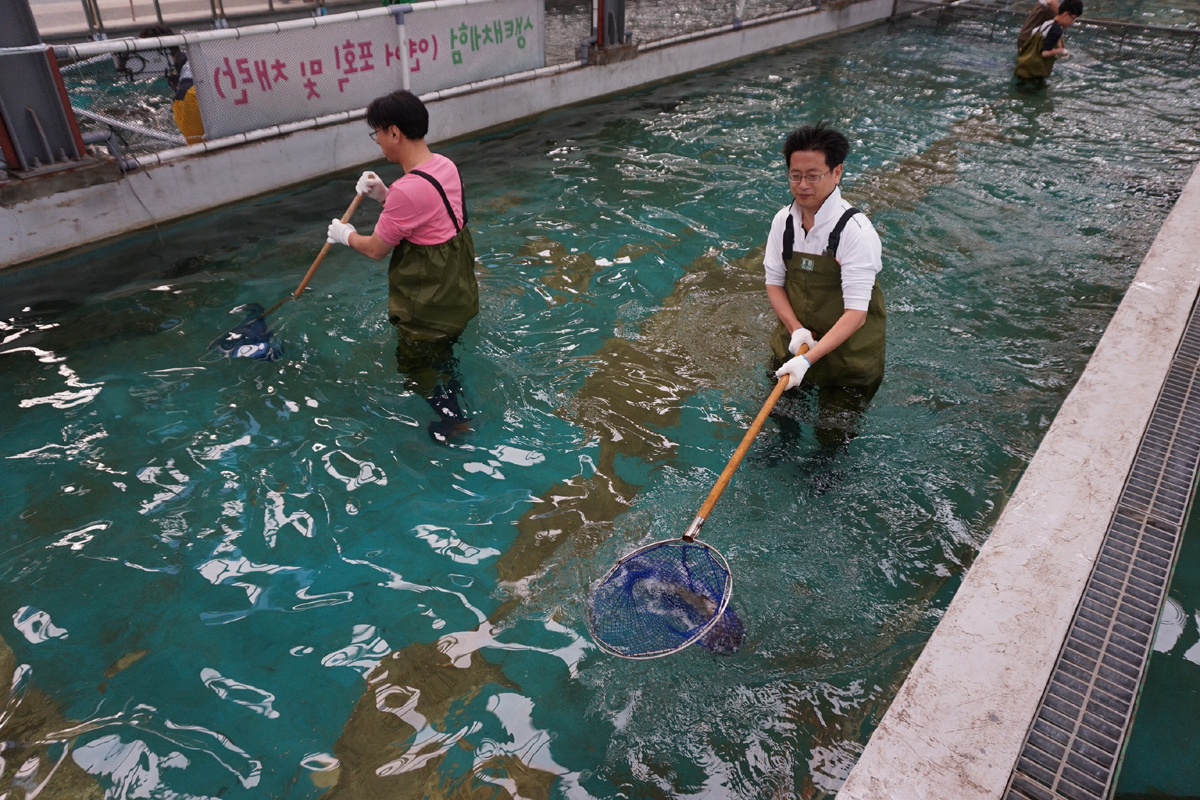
789, 233
446, 200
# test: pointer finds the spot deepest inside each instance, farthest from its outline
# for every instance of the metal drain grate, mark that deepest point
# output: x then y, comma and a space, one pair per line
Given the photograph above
1072, 749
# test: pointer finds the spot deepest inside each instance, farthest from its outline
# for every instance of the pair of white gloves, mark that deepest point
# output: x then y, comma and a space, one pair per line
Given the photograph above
370, 185
796, 367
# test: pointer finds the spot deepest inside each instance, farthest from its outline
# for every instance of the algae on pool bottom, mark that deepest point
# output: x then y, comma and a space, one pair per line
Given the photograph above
327, 601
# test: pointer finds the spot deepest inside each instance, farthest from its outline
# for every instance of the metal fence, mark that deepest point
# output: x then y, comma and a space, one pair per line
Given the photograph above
128, 94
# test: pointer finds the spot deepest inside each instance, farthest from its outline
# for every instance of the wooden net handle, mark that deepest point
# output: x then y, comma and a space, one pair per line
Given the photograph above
727, 474
308, 276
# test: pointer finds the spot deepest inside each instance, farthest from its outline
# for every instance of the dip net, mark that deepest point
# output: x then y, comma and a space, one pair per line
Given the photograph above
250, 338
662, 598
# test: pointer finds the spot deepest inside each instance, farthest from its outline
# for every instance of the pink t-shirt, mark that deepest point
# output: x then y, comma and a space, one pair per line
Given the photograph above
414, 210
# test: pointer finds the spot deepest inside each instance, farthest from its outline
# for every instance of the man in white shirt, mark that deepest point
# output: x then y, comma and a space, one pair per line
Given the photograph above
821, 261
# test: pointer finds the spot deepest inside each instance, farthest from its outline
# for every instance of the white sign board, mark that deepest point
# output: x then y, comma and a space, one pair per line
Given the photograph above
270, 79
258, 81
461, 44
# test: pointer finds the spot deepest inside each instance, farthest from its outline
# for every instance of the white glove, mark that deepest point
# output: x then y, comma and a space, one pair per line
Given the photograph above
339, 232
372, 186
794, 369
801, 335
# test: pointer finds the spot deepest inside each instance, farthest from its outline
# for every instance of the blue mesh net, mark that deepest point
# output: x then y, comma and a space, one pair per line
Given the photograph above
662, 598
250, 338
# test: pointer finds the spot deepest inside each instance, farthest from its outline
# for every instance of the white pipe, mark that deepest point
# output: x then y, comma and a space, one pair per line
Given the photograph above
644, 47
88, 49
128, 126
405, 75
341, 116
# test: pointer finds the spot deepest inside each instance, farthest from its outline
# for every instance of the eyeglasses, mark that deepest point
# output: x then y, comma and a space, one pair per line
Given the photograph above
812, 178
373, 134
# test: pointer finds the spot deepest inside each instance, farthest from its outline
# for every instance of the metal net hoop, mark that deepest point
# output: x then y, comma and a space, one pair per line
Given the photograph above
659, 599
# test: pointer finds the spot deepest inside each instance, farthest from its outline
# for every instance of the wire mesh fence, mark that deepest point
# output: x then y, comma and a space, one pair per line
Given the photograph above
130, 96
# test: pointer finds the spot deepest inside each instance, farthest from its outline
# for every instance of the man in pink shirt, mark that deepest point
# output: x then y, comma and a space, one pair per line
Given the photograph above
432, 291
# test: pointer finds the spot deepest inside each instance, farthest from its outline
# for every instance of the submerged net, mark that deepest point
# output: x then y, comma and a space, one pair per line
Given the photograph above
662, 598
250, 338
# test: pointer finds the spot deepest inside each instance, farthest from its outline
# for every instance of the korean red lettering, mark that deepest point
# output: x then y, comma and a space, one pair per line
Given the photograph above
413, 48
228, 72
314, 67
311, 85
364, 57
263, 74
348, 57
389, 54
243, 68
278, 68
434, 47
342, 84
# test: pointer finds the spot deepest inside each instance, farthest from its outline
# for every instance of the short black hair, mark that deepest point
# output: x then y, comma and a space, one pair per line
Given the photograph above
155, 30
402, 109
1072, 7
821, 138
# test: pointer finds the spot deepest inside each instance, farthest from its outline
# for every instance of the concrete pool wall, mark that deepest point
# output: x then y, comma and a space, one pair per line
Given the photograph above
94, 206
958, 723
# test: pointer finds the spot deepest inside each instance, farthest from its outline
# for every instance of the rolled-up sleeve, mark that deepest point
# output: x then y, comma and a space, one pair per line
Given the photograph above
773, 257
861, 257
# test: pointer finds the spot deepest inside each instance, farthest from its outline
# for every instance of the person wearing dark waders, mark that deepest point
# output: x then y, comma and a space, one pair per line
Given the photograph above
1045, 43
821, 263
432, 291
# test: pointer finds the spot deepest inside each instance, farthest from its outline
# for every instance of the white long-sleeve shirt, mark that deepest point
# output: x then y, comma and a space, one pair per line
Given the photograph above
860, 252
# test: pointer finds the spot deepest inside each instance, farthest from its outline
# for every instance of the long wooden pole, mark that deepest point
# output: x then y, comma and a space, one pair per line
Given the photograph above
308, 276
727, 475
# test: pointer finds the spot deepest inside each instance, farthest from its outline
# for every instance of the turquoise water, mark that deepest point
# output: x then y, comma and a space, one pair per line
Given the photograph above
1161, 753
247, 579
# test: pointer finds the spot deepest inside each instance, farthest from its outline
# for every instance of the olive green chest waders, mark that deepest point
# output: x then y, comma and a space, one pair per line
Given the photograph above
814, 287
1031, 65
432, 291
432, 295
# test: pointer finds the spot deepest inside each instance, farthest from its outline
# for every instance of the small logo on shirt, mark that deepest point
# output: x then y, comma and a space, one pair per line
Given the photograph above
808, 264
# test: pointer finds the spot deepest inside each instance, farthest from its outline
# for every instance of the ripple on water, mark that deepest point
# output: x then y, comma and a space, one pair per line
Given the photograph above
320, 598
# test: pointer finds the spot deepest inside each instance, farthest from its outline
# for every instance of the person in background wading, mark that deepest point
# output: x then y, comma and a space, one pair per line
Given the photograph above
1046, 42
1043, 11
432, 291
821, 263
184, 104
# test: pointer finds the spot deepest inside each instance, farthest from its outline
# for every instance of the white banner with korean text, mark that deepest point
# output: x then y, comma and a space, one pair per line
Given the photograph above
462, 44
257, 81
270, 79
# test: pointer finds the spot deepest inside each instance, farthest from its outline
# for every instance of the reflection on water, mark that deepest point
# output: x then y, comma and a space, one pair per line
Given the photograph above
263, 579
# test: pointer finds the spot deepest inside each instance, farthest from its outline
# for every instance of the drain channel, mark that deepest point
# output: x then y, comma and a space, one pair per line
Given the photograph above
1073, 747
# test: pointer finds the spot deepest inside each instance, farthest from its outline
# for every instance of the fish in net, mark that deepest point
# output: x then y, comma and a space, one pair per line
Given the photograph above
250, 338
664, 597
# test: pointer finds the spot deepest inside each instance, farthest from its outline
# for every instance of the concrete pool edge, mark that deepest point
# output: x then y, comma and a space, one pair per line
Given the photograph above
957, 725
83, 217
